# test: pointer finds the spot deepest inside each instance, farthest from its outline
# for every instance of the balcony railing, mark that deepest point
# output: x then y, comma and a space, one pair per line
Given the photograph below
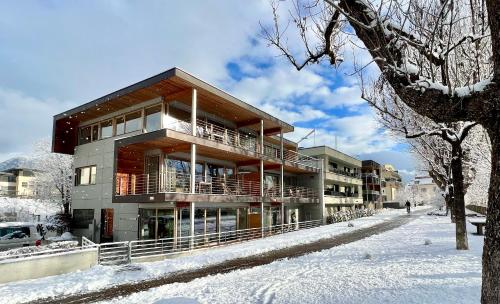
238, 139
175, 182
340, 194
342, 172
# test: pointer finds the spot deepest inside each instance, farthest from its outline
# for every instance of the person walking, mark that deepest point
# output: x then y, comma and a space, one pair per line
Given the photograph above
408, 206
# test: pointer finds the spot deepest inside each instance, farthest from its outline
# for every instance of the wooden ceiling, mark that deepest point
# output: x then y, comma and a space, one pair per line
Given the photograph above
171, 84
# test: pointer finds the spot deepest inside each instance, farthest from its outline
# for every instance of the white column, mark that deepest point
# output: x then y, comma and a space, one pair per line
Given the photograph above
282, 178
321, 190
192, 179
194, 108
262, 176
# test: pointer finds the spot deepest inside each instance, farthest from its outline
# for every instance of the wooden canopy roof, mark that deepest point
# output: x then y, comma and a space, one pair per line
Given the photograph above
173, 82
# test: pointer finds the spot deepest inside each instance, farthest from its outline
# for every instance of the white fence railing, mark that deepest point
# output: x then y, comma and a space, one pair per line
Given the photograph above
124, 252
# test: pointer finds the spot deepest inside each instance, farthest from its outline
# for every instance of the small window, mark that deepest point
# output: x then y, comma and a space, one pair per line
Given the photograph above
82, 218
106, 129
120, 126
24, 184
85, 135
132, 122
95, 132
153, 118
85, 176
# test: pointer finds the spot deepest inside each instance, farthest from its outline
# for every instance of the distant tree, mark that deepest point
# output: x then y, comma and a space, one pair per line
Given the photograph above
53, 181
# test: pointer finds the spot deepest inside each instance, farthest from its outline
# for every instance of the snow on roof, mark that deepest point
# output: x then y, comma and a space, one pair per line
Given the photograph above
9, 224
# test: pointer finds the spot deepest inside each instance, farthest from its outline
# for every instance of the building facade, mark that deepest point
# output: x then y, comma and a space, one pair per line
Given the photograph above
342, 181
172, 156
372, 184
424, 190
392, 184
17, 182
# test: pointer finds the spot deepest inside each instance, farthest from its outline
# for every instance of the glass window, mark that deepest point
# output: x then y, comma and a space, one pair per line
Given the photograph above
120, 126
85, 135
93, 171
153, 118
132, 122
107, 129
95, 132
85, 176
82, 218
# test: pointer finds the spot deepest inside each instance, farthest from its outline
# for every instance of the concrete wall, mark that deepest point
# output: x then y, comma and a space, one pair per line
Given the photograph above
49, 265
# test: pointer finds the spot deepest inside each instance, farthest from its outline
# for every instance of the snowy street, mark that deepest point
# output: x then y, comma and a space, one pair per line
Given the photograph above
394, 267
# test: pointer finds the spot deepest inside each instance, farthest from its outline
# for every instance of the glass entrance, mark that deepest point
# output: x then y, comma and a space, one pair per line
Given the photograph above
156, 223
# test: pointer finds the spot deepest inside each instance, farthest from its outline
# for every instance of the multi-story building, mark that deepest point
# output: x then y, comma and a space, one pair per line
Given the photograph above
391, 184
342, 178
173, 156
424, 190
372, 184
17, 182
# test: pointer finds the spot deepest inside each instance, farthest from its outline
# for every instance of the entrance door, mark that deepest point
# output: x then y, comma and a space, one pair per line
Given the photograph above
153, 173
106, 225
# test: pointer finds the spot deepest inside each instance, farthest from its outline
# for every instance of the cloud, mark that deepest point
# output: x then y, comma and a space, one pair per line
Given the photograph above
24, 120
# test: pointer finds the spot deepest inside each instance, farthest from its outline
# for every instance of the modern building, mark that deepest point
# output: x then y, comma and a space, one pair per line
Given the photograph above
372, 184
392, 184
173, 156
342, 178
17, 182
424, 190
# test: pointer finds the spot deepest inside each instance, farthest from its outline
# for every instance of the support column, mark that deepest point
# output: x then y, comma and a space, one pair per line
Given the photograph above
192, 179
282, 180
218, 222
261, 171
321, 190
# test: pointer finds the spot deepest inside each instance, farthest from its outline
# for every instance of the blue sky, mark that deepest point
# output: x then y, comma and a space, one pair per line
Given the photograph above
55, 55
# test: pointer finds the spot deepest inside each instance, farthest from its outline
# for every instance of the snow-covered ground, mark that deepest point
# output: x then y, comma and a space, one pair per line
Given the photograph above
100, 277
28, 209
415, 263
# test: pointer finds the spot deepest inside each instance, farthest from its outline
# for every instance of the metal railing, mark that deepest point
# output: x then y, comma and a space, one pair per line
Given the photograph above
299, 192
345, 173
124, 252
175, 182
301, 159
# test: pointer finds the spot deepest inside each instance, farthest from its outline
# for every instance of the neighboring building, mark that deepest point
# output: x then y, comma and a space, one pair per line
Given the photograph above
172, 156
7, 184
424, 190
17, 182
342, 178
372, 184
391, 184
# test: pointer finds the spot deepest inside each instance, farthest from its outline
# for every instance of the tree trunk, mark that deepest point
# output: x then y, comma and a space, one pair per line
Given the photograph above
448, 201
452, 209
458, 196
490, 292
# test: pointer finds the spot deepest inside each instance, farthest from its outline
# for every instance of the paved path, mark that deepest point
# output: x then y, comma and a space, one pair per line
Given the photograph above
230, 265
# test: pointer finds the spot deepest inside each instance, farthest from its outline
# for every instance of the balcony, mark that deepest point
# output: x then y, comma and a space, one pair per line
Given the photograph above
179, 183
249, 142
342, 172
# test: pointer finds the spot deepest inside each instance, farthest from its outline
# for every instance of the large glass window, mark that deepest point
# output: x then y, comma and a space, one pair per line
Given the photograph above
120, 126
85, 176
132, 122
85, 135
107, 129
153, 118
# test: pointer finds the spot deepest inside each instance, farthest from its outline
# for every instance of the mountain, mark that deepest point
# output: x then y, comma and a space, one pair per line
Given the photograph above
16, 162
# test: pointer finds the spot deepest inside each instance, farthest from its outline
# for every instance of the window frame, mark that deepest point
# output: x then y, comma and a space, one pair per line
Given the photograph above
91, 179
112, 120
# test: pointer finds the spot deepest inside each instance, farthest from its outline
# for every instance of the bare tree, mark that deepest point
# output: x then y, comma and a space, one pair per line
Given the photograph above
54, 177
396, 116
441, 57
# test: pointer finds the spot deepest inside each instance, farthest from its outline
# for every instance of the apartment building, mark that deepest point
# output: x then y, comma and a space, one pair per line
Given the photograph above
372, 184
17, 182
391, 184
423, 189
173, 156
342, 183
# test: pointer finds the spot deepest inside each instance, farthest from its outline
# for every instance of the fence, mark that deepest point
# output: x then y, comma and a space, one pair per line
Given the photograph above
125, 252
